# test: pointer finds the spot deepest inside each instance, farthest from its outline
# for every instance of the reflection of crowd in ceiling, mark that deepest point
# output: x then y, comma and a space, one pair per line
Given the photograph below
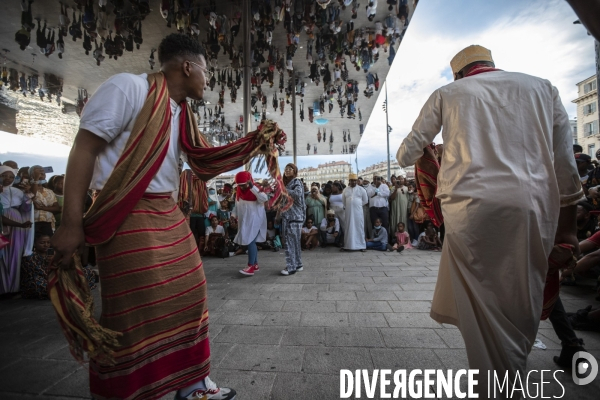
338, 55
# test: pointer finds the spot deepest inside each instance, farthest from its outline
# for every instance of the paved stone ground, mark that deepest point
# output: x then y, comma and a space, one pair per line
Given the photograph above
276, 337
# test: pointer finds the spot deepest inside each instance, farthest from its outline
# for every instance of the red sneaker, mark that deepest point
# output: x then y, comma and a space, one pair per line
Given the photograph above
249, 270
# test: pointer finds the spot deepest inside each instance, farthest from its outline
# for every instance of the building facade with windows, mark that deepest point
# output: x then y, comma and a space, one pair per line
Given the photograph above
380, 169
331, 171
588, 134
574, 129
221, 180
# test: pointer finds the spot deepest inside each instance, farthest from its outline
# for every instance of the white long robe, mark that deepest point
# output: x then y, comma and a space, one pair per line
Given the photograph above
252, 219
354, 198
336, 202
507, 168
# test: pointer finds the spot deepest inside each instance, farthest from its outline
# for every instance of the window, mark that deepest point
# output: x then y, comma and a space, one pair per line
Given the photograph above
591, 128
589, 108
588, 87
592, 150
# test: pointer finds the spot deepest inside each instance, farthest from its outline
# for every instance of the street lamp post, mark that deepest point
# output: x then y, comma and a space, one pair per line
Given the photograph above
388, 129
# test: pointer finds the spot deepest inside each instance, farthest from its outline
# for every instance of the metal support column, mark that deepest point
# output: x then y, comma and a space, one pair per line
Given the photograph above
387, 132
247, 65
597, 46
294, 141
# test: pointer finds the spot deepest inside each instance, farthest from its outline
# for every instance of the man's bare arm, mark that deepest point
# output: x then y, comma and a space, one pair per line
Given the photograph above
69, 238
566, 231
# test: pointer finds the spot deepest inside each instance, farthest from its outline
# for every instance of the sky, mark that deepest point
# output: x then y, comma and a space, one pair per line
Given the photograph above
536, 37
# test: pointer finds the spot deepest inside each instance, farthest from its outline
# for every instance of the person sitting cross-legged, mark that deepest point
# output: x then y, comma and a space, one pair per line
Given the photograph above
402, 238
429, 239
330, 230
215, 238
310, 235
379, 239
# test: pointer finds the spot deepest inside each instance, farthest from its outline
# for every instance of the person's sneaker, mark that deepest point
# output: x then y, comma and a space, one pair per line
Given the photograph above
212, 392
286, 272
400, 249
299, 269
388, 247
566, 355
231, 253
249, 270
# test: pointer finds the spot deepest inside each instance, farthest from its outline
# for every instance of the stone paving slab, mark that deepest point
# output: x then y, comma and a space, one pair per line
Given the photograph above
280, 338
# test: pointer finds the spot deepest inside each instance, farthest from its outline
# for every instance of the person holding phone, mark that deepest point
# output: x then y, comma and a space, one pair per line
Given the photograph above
315, 204
378, 201
45, 201
398, 204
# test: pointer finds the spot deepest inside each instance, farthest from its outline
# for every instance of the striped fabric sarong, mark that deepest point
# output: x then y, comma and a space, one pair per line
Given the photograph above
154, 293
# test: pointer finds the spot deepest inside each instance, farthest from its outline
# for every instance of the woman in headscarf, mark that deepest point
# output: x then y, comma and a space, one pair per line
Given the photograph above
45, 201
213, 205
316, 204
17, 222
292, 221
252, 219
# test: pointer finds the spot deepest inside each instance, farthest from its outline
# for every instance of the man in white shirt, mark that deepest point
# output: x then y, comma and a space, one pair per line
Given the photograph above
153, 283
378, 201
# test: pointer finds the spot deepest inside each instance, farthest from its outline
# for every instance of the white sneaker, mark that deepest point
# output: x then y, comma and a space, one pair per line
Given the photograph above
231, 253
299, 269
212, 392
286, 272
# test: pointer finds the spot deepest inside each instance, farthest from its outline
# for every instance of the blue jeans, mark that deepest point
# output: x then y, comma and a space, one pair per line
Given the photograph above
252, 252
377, 246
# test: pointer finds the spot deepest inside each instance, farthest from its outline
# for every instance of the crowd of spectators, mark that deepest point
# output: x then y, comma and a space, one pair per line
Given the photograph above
394, 220
393, 206
588, 234
31, 208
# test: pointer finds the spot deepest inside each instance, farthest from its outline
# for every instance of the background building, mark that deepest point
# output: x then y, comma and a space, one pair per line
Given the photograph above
335, 170
380, 169
221, 180
587, 116
574, 129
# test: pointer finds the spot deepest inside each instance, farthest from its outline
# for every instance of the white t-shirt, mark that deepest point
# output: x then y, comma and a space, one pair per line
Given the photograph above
111, 113
219, 229
306, 230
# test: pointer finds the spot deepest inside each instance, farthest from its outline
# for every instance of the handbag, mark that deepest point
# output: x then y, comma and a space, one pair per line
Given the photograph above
419, 215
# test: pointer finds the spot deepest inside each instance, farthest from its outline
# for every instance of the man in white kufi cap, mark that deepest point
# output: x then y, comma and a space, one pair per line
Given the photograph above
507, 181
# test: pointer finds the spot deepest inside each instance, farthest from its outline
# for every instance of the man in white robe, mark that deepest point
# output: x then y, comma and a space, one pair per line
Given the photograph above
507, 181
354, 198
